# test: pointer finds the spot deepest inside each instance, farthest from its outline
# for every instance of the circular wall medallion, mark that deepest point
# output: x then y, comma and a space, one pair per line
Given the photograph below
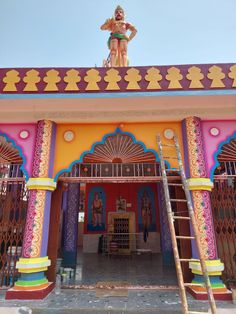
24, 134
168, 134
69, 136
214, 131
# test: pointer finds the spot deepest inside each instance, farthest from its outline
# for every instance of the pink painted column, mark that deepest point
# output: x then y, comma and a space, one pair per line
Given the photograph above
32, 283
200, 186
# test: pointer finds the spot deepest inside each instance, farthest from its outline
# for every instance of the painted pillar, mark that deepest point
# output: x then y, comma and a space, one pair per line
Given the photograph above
70, 229
166, 244
200, 187
32, 283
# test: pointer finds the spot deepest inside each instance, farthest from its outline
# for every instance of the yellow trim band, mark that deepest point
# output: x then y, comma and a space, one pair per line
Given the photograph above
214, 267
33, 260
210, 273
198, 184
32, 270
214, 262
33, 263
41, 184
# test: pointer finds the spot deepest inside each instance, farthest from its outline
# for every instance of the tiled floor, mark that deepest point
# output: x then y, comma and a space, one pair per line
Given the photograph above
136, 270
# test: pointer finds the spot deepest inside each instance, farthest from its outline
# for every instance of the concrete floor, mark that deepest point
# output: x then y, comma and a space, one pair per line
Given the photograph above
75, 301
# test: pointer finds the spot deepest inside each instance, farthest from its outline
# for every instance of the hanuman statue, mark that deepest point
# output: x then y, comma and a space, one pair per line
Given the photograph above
118, 40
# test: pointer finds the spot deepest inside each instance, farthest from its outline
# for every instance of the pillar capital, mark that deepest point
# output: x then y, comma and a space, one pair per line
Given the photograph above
200, 184
41, 184
214, 270
32, 265
214, 267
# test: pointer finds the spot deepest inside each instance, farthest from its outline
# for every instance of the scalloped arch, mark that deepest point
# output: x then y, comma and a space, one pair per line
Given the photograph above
226, 150
10, 153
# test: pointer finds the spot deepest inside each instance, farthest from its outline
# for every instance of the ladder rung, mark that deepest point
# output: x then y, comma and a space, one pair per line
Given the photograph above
188, 260
174, 170
168, 145
175, 184
178, 200
185, 237
170, 157
181, 217
193, 312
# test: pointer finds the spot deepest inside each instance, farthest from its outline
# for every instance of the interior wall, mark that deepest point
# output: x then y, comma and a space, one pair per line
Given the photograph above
132, 193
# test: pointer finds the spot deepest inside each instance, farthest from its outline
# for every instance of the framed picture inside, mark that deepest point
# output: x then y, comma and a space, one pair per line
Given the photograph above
121, 204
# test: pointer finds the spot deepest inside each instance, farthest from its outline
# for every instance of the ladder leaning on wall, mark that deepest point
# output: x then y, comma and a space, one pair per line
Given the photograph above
175, 154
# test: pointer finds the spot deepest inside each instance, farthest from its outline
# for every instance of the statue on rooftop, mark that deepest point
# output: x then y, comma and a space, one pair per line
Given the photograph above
118, 40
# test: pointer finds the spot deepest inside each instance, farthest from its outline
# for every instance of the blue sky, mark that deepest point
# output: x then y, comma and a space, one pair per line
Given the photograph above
56, 33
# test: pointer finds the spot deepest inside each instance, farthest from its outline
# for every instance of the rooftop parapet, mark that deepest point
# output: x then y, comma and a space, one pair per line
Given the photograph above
118, 80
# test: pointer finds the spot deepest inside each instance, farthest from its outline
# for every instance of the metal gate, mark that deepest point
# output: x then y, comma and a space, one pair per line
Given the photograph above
223, 199
13, 208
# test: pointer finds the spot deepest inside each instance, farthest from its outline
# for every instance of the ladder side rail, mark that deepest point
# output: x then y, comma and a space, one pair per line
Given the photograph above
172, 231
195, 229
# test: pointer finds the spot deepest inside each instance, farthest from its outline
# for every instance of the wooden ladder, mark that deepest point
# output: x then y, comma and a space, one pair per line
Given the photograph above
190, 217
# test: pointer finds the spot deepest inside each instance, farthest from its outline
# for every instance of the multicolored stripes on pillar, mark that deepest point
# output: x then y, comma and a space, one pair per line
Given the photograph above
195, 163
214, 269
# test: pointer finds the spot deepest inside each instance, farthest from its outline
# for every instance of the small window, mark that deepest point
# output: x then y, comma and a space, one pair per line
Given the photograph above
81, 217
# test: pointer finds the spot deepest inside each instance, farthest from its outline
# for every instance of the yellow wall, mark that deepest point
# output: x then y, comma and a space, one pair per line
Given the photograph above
87, 134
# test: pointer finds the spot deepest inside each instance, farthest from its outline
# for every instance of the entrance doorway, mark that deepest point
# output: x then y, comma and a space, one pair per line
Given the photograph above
118, 251
124, 230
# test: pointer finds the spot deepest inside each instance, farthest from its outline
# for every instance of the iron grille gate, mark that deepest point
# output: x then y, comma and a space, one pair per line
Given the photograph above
223, 199
13, 208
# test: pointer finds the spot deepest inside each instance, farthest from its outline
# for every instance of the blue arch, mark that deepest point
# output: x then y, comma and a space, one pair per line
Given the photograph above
91, 151
216, 164
22, 167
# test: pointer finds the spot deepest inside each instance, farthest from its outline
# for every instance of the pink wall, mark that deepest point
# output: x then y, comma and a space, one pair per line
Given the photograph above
13, 132
215, 133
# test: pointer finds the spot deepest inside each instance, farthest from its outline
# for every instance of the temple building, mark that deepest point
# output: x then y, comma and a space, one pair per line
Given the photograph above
80, 183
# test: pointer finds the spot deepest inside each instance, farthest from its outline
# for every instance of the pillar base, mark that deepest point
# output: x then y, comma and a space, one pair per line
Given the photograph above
214, 269
224, 295
29, 293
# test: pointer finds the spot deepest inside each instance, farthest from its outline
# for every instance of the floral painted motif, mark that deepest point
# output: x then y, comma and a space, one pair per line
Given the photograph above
42, 149
195, 148
35, 217
201, 198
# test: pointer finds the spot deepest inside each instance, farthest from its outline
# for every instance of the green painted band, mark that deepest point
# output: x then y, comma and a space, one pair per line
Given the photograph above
213, 285
31, 283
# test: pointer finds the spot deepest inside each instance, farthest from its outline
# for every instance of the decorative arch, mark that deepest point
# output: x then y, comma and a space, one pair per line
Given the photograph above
116, 147
119, 148
226, 149
11, 153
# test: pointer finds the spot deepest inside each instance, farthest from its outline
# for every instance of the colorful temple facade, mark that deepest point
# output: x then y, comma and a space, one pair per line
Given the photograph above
84, 139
